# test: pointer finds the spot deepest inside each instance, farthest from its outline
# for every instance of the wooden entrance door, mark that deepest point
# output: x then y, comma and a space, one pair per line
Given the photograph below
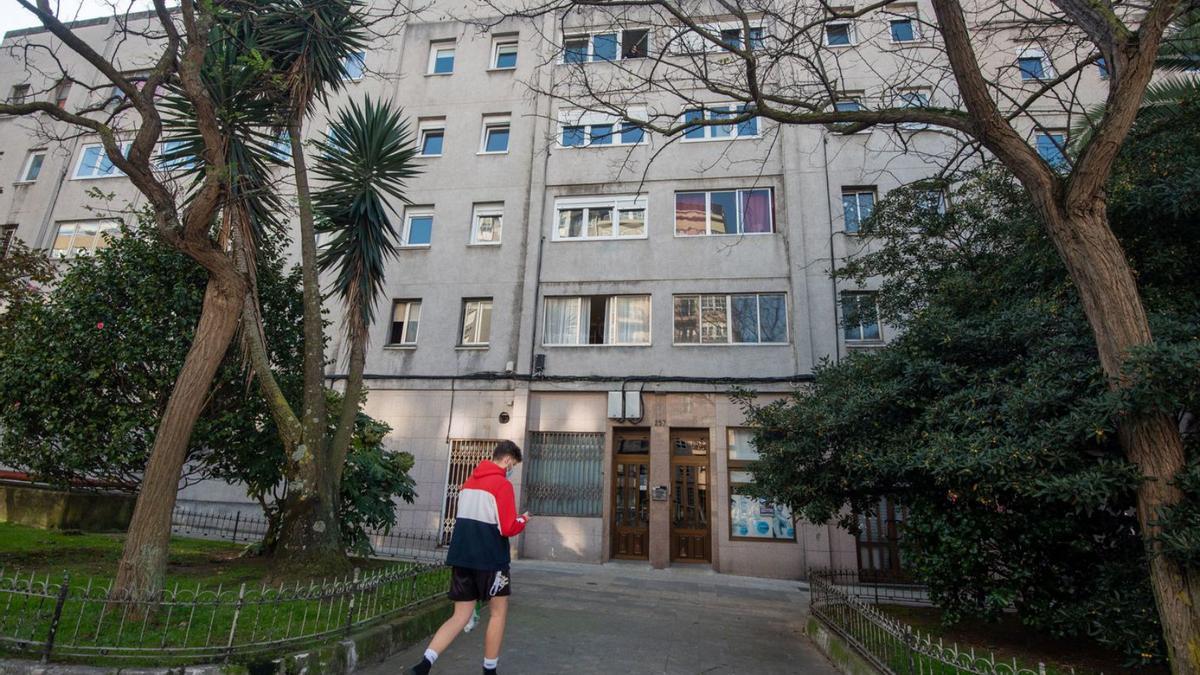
631, 494
691, 531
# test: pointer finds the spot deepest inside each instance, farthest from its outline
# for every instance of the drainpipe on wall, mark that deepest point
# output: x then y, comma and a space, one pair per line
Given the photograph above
837, 342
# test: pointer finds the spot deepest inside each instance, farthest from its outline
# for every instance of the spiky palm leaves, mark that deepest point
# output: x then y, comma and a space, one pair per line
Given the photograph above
363, 164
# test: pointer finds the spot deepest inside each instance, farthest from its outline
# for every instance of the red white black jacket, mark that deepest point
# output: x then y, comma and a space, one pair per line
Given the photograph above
487, 517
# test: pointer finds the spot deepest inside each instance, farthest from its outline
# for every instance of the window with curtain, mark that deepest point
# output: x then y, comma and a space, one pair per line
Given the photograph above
596, 320
723, 212
749, 517
406, 318
476, 322
741, 318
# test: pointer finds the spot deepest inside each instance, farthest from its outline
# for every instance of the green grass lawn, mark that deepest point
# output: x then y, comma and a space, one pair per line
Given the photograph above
281, 606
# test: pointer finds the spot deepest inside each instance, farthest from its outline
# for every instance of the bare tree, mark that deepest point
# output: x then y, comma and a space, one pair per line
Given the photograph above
953, 74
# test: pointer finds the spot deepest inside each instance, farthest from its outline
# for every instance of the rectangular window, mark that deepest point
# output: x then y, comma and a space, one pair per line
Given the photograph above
565, 474
596, 320
741, 318
903, 30
607, 217
839, 34
857, 206
495, 134
504, 54
281, 147
8, 234
579, 129
174, 155
476, 322
19, 93
354, 66
487, 221
732, 38
62, 91
418, 228
932, 201
83, 237
406, 318
1031, 67
1102, 68
33, 166
751, 518
746, 128
635, 44
94, 162
729, 34
606, 46
848, 105
913, 98
724, 212
1052, 148
860, 317
432, 132
441, 58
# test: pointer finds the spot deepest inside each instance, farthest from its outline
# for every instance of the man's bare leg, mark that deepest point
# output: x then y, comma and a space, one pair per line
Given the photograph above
495, 628
453, 626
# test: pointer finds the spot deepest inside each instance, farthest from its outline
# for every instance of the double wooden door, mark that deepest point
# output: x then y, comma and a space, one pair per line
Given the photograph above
691, 526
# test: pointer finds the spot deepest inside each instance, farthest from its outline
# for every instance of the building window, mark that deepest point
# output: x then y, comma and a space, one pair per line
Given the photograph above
1102, 68
94, 162
476, 322
608, 217
62, 91
33, 166
1052, 148
839, 34
903, 30
418, 227
281, 146
848, 103
495, 134
487, 221
441, 58
607, 46
742, 318
597, 320
745, 129
504, 53
175, 154
857, 206
932, 201
1033, 65
732, 38
564, 475
579, 129
913, 98
83, 237
432, 134
354, 66
19, 93
860, 317
8, 234
749, 517
878, 539
724, 212
406, 318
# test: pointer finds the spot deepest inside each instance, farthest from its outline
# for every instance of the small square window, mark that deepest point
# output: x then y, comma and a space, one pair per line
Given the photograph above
19, 93
441, 58
1032, 67
406, 319
354, 66
495, 135
575, 49
418, 228
33, 166
476, 322
903, 30
432, 137
839, 34
504, 55
1052, 148
487, 221
635, 44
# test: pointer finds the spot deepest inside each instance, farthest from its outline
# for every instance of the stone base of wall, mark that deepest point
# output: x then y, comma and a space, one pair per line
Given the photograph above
51, 509
837, 650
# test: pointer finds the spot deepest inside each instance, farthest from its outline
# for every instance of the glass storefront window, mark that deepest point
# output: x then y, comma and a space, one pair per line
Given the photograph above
750, 517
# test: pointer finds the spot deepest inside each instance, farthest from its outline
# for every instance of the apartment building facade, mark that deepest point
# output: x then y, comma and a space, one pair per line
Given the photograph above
588, 289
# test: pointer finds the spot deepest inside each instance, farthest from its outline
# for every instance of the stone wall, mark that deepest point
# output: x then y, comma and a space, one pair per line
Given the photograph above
53, 509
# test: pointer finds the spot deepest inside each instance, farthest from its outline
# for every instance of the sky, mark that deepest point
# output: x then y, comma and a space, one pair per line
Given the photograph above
13, 15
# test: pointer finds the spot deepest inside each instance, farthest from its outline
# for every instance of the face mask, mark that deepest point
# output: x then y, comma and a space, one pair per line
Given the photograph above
508, 472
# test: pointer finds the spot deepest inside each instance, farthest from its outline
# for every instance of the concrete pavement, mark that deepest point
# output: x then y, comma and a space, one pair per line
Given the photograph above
631, 620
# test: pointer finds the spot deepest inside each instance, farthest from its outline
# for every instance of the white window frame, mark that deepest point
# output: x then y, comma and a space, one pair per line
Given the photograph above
83, 152
406, 341
586, 119
103, 226
735, 133
427, 125
362, 60
479, 211
584, 328
688, 41
857, 192
926, 96
440, 45
491, 122
475, 342
708, 213
787, 323
501, 42
409, 215
851, 33
874, 295
28, 165
1034, 53
617, 203
590, 35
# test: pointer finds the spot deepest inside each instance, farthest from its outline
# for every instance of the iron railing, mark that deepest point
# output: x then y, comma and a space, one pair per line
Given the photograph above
239, 527
848, 606
64, 619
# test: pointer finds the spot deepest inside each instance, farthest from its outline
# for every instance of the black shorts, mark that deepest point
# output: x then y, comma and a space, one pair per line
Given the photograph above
468, 584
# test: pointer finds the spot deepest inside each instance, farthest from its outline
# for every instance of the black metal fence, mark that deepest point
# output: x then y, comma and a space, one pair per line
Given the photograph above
848, 606
239, 527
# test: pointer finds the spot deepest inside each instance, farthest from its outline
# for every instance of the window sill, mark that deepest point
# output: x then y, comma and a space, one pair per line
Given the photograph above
723, 138
647, 344
121, 175
399, 348
472, 348
605, 145
19, 183
846, 46
864, 344
730, 344
483, 244
414, 247
501, 70
580, 240
494, 152
439, 74
427, 156
724, 234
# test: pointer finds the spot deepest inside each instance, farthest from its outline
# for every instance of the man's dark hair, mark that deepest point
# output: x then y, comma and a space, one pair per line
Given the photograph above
506, 449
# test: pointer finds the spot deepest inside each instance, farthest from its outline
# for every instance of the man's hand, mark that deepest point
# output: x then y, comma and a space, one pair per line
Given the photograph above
526, 516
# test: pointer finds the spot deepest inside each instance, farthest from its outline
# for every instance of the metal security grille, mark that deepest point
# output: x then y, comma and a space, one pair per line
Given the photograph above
465, 455
563, 476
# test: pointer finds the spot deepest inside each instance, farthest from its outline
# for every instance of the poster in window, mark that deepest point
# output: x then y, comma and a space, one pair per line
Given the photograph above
759, 519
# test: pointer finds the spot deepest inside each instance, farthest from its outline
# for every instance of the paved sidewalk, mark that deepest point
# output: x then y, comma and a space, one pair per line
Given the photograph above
630, 620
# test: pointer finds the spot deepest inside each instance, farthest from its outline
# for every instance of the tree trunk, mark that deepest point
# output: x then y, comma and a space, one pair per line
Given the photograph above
144, 558
1108, 290
313, 415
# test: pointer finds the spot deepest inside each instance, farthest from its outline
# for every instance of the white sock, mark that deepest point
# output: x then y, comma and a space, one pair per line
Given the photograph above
431, 656
490, 664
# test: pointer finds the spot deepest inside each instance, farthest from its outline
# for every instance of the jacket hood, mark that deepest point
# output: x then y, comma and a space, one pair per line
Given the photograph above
487, 468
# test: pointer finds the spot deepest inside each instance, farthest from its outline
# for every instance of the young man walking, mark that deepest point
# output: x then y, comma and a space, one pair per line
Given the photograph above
479, 558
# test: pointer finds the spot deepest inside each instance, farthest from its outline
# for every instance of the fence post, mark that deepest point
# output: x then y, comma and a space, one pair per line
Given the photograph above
236, 518
353, 597
63, 589
237, 612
